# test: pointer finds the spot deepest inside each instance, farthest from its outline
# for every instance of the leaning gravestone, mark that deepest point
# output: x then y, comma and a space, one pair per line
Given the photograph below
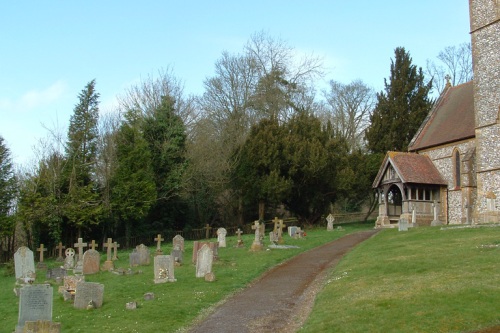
178, 241
204, 261
91, 262
35, 303
89, 295
164, 269
221, 237
24, 265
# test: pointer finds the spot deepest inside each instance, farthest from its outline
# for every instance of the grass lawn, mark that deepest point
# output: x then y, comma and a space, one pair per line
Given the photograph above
176, 304
422, 280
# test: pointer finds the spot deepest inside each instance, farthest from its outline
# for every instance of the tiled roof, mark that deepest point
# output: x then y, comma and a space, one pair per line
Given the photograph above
451, 119
411, 168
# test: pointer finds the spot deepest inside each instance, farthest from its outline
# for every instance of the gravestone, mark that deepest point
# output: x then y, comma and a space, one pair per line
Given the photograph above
134, 258
91, 262
177, 255
71, 281
239, 242
69, 260
42, 326
88, 295
197, 245
207, 231
158, 241
299, 233
257, 243
164, 269
79, 261
278, 230
35, 303
403, 224
108, 264
115, 251
41, 264
93, 245
56, 273
144, 254
204, 261
178, 241
221, 237
24, 265
330, 219
59, 249
292, 230
273, 237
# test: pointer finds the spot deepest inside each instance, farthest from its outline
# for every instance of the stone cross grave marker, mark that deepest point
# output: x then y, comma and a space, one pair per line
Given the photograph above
93, 245
59, 249
330, 219
115, 250
221, 237
35, 303
204, 261
24, 265
108, 264
207, 231
80, 245
278, 230
164, 269
89, 295
91, 262
158, 241
69, 261
413, 216
178, 242
41, 249
257, 243
239, 242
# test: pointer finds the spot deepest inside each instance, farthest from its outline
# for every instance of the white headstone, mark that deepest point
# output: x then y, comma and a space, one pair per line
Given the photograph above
204, 261
330, 219
403, 224
292, 230
221, 237
24, 264
178, 242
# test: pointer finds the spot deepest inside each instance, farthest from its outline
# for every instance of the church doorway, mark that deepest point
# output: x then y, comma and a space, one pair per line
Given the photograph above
394, 203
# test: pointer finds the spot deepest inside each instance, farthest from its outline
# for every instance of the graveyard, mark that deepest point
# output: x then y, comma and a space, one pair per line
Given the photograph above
431, 279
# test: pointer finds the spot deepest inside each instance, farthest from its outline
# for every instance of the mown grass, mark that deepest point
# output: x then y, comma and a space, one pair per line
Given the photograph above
176, 305
423, 280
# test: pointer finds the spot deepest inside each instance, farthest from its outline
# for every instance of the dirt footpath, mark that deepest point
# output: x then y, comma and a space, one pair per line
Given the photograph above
281, 299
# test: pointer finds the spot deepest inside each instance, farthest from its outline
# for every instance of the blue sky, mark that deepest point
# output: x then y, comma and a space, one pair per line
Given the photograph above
51, 49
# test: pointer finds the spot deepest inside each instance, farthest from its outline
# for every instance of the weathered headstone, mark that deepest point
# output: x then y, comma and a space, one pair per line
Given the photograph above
24, 265
35, 303
108, 264
257, 243
330, 219
69, 260
115, 251
178, 241
239, 241
71, 281
164, 269
403, 224
42, 326
89, 295
56, 273
178, 256
59, 249
278, 230
197, 245
158, 241
91, 262
204, 261
299, 233
221, 237
292, 230
134, 258
144, 254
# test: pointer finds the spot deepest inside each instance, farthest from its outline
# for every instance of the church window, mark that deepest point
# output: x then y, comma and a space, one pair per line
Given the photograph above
456, 163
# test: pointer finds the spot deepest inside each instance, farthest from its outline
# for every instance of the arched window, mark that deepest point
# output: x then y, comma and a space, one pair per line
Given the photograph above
456, 164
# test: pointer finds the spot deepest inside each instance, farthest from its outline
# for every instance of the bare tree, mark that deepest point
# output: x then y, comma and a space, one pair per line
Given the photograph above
455, 66
348, 108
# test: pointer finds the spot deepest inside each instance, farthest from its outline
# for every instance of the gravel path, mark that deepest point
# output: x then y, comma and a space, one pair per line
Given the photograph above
281, 300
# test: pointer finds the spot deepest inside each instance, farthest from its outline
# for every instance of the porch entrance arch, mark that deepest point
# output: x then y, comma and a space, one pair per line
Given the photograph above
394, 202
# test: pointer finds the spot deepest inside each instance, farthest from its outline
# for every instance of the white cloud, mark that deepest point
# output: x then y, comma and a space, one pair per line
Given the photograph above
34, 98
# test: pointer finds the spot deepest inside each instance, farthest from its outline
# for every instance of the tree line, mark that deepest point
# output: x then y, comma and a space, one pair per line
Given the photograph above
257, 143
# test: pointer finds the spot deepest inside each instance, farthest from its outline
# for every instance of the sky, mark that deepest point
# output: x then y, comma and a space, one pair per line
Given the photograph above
49, 50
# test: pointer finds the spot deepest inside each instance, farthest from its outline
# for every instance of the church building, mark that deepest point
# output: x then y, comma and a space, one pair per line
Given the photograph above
451, 172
